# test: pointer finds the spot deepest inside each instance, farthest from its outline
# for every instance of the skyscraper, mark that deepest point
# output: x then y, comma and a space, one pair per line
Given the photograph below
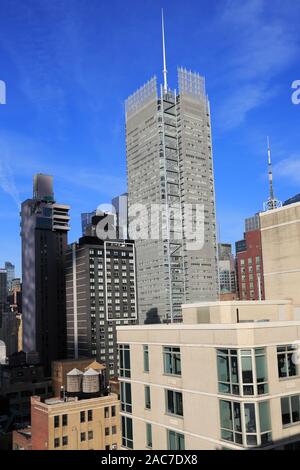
170, 164
101, 294
120, 203
10, 269
44, 228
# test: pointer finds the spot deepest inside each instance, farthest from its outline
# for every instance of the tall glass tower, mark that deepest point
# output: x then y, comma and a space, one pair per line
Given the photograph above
170, 165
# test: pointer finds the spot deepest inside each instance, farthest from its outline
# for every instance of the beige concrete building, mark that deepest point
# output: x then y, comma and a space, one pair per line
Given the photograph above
280, 235
227, 378
74, 424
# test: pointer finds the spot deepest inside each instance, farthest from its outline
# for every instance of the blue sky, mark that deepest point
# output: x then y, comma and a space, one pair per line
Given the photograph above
70, 64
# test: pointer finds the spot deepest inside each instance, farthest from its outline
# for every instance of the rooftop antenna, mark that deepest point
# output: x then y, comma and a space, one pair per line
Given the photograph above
272, 203
164, 52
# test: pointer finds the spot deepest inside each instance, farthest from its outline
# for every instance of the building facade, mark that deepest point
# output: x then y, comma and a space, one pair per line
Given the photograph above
280, 233
171, 189
120, 204
72, 424
101, 293
227, 378
227, 275
44, 228
10, 269
249, 267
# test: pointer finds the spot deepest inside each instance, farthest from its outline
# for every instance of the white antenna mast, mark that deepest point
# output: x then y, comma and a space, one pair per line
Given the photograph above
164, 52
272, 202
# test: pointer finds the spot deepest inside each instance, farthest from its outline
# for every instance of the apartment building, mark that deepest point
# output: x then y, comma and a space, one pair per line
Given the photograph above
101, 293
226, 378
72, 424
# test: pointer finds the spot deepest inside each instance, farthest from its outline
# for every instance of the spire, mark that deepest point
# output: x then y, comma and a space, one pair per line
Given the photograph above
272, 202
271, 194
164, 52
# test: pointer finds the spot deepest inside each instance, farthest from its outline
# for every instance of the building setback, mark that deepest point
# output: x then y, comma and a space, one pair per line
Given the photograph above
224, 379
169, 163
101, 293
44, 228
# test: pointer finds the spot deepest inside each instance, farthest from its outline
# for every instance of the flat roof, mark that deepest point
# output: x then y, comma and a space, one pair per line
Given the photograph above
249, 325
294, 204
238, 303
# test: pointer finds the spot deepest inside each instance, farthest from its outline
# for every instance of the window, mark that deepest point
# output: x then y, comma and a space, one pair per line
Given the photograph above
82, 416
90, 415
228, 377
106, 412
65, 420
56, 442
290, 410
149, 435
236, 417
90, 435
287, 366
127, 432
124, 354
242, 372
146, 358
174, 404
147, 397
82, 436
172, 361
114, 430
175, 441
113, 411
65, 440
56, 421
126, 402
107, 431
107, 447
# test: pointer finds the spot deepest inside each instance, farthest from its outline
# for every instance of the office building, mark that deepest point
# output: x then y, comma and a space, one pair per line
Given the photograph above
227, 276
227, 378
3, 293
101, 293
21, 380
170, 166
44, 228
10, 270
249, 263
120, 204
86, 220
280, 235
72, 423
21, 439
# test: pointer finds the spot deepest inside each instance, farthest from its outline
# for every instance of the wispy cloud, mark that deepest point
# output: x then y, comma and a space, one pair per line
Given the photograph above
260, 47
7, 182
289, 169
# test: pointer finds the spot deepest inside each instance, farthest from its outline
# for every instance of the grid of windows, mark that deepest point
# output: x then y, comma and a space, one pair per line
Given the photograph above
172, 360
